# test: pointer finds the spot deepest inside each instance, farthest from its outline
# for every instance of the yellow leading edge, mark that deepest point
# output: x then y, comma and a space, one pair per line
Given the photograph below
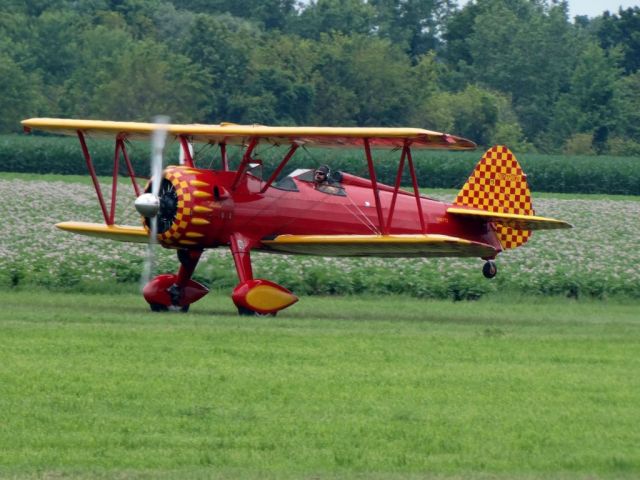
527, 222
121, 233
408, 245
229, 133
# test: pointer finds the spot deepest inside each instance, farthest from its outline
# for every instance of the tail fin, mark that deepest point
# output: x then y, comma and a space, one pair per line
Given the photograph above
499, 185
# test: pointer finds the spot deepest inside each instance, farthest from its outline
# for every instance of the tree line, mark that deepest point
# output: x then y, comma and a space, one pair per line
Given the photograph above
519, 72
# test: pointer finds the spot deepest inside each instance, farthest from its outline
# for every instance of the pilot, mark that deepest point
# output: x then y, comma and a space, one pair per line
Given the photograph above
321, 179
321, 175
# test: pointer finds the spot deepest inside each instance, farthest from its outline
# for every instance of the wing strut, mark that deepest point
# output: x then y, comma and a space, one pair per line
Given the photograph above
374, 184
223, 157
132, 174
245, 161
120, 149
184, 144
396, 188
277, 171
94, 177
416, 191
406, 155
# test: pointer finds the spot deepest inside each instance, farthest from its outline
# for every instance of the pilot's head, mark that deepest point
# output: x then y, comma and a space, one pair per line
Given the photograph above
321, 174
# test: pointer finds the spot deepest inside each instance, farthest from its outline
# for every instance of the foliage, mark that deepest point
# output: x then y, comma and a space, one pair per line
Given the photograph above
514, 55
144, 76
579, 144
590, 106
575, 172
621, 31
532, 78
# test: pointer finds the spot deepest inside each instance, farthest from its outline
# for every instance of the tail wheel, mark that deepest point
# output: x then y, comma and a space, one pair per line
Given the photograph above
490, 269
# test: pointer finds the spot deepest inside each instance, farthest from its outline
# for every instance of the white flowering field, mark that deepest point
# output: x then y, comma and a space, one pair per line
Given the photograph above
599, 257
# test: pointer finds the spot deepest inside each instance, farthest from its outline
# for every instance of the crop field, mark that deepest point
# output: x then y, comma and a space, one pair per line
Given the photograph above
94, 386
598, 258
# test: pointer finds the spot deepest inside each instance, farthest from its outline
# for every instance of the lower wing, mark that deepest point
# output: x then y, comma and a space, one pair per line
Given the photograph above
379, 246
121, 233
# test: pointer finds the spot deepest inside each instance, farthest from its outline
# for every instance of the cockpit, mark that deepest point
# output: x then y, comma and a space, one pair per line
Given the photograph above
332, 186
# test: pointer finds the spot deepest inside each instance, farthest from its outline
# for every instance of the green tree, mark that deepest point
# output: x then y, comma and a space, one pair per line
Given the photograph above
523, 48
361, 80
281, 72
590, 105
628, 101
20, 93
273, 14
32, 8
415, 24
125, 79
53, 49
484, 116
222, 46
347, 17
475, 114
622, 31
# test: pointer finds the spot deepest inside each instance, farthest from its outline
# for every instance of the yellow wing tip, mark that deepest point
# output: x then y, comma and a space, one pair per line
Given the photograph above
122, 233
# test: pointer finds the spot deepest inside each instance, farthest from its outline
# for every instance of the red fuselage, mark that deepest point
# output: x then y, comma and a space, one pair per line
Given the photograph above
304, 209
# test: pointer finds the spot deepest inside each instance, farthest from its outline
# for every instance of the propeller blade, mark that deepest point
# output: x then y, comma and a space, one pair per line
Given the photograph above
148, 204
158, 141
149, 260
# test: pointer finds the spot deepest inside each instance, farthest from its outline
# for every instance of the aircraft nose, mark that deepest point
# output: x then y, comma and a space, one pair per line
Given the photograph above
147, 205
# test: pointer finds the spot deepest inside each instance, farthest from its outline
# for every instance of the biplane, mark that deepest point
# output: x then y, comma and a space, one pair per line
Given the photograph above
189, 209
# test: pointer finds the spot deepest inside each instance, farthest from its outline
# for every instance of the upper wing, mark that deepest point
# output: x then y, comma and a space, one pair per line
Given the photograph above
233, 134
520, 222
380, 246
121, 233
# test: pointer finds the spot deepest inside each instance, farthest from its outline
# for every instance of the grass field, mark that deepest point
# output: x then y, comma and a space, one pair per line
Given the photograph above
95, 386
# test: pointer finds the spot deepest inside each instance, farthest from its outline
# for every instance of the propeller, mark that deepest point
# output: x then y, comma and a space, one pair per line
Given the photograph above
148, 204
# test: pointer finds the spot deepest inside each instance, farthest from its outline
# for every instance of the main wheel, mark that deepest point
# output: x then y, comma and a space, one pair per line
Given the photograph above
158, 307
489, 270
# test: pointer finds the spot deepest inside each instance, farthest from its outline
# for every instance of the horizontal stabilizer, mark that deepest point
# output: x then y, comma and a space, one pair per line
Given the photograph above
121, 233
520, 222
379, 246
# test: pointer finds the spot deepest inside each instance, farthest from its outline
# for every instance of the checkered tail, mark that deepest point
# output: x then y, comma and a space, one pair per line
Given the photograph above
499, 185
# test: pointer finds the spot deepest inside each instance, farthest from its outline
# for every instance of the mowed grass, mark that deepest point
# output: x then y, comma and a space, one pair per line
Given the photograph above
97, 386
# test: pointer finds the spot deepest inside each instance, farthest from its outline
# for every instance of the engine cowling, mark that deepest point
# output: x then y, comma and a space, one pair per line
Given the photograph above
190, 212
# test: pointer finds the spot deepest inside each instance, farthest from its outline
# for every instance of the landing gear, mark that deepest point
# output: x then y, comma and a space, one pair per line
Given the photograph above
255, 297
158, 307
246, 312
176, 292
489, 270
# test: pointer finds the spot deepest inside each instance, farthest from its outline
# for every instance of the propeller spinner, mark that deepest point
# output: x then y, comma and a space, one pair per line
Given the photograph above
147, 205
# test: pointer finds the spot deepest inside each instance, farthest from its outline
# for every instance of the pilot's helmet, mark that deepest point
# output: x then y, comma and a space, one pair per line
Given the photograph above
323, 169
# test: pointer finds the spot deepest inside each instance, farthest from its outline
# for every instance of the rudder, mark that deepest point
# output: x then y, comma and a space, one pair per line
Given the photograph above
498, 184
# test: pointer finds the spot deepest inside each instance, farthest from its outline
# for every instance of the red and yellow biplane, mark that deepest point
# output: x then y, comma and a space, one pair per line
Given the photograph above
189, 209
